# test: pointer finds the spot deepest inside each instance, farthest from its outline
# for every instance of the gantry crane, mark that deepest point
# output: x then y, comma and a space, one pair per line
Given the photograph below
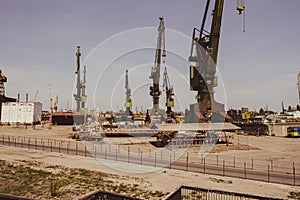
155, 72
169, 94
128, 101
204, 53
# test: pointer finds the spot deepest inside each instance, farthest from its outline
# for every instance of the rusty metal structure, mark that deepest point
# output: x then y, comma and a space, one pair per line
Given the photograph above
155, 72
203, 80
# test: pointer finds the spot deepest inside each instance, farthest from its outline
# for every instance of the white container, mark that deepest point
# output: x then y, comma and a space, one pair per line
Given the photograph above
22, 113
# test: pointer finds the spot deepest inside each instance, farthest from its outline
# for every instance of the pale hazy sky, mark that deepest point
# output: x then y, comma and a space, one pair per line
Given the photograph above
38, 41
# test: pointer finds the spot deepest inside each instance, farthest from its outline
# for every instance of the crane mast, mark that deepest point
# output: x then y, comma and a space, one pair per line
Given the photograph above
78, 84
169, 94
128, 101
83, 87
204, 55
155, 72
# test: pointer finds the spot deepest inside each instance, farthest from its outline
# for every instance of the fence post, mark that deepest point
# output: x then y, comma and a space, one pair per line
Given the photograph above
294, 173
28, 143
3, 139
116, 154
15, 142
68, 145
128, 155
233, 161
76, 148
187, 161
95, 152
141, 158
268, 172
252, 164
204, 165
245, 170
223, 167
149, 153
85, 151
217, 160
174, 155
155, 159
170, 160
51, 146
43, 146
271, 165
35, 143
161, 154
59, 147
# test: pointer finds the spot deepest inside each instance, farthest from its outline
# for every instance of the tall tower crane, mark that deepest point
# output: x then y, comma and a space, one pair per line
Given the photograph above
128, 101
155, 72
78, 85
169, 94
204, 53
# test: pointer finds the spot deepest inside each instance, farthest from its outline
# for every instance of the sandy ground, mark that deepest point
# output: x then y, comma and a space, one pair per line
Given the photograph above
282, 151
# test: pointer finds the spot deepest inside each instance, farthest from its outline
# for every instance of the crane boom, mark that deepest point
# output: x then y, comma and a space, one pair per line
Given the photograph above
155, 72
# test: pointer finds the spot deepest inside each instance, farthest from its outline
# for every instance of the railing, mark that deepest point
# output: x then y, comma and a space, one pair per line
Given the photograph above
187, 192
167, 158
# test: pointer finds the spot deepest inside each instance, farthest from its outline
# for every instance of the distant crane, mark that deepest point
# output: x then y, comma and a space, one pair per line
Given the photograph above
298, 83
3, 79
128, 101
50, 99
77, 96
204, 53
55, 107
169, 94
36, 94
155, 72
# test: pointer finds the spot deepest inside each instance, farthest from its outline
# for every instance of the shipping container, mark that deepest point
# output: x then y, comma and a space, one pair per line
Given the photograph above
293, 131
22, 113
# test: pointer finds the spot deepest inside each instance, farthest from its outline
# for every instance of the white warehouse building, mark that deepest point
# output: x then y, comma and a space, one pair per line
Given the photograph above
21, 113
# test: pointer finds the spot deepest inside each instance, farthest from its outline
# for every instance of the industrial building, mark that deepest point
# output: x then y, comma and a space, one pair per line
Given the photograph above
21, 113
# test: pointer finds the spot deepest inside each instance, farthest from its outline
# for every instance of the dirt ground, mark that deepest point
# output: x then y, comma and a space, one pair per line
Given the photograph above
282, 151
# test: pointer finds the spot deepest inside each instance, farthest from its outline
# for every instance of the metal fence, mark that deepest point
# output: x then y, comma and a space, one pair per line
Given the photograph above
103, 195
167, 158
193, 193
